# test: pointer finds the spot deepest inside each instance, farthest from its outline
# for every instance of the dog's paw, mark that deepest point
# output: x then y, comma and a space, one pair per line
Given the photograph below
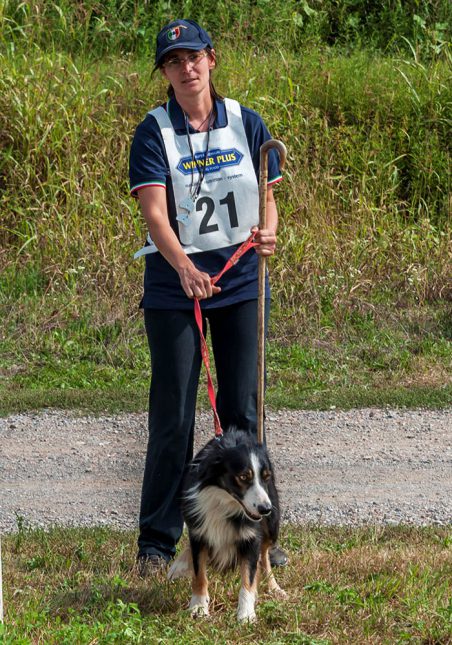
199, 611
274, 589
199, 606
279, 593
244, 618
245, 609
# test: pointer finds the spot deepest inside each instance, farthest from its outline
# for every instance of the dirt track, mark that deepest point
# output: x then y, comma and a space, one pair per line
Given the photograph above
378, 466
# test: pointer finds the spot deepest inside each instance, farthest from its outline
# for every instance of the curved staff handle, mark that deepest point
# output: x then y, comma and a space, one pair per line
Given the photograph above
263, 178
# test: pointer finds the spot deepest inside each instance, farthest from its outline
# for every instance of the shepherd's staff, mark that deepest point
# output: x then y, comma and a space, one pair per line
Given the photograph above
263, 178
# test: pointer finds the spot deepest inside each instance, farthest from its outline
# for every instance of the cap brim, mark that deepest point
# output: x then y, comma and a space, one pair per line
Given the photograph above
194, 46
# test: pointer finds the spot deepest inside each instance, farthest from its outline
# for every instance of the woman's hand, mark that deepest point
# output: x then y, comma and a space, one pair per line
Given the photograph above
266, 237
266, 240
195, 283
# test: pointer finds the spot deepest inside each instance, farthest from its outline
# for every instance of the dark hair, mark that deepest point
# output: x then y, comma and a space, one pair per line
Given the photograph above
213, 92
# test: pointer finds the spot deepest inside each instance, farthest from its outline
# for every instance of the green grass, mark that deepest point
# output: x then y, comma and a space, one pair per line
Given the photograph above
111, 26
91, 354
362, 277
366, 585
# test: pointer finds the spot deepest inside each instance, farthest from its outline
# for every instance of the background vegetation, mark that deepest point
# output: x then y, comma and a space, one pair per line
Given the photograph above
359, 91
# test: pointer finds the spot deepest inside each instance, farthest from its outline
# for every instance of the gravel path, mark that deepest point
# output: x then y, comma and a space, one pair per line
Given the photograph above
334, 467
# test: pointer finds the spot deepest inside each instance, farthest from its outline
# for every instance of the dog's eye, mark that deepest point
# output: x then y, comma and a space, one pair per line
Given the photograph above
246, 477
266, 474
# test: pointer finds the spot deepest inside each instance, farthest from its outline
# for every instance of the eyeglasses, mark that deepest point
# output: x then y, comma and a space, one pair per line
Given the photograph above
192, 60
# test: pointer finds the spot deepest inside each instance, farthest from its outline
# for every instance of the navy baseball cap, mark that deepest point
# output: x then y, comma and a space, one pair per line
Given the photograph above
181, 34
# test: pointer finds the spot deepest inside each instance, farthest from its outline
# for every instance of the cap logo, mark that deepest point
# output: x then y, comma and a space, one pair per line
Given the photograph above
174, 33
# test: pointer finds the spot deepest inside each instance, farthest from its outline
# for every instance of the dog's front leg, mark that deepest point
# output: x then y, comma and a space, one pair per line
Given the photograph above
248, 590
199, 603
273, 586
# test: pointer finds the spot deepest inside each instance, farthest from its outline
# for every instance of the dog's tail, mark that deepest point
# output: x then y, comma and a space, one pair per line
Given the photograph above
182, 566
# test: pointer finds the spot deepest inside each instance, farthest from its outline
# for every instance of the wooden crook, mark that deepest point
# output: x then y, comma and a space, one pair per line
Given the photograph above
262, 267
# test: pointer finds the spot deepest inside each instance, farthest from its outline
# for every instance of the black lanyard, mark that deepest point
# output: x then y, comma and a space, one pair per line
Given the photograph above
194, 192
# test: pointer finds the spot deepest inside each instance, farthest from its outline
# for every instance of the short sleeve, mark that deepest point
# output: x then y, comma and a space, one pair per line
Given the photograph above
148, 164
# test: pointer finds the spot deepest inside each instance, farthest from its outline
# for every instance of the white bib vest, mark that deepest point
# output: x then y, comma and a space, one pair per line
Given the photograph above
228, 203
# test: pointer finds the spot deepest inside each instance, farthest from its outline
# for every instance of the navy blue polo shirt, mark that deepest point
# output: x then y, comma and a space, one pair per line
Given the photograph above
149, 167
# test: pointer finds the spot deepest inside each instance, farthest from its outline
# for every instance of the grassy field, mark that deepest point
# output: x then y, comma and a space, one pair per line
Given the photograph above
362, 280
362, 286
368, 585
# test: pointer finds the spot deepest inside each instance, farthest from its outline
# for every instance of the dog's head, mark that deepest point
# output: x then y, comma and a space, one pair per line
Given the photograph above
241, 467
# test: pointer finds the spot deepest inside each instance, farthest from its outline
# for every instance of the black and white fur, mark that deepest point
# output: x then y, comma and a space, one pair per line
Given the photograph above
230, 505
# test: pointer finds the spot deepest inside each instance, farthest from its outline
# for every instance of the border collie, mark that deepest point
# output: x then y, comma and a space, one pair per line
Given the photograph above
230, 505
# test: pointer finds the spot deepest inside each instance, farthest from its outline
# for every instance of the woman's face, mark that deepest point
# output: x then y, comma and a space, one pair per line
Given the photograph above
188, 71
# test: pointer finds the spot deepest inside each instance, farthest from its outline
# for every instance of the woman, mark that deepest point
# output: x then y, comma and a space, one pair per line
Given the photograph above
194, 168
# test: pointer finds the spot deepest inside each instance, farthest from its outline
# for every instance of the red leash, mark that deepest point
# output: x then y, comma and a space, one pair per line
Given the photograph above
243, 248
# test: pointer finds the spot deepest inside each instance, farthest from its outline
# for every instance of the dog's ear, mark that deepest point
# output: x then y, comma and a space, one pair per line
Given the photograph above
211, 465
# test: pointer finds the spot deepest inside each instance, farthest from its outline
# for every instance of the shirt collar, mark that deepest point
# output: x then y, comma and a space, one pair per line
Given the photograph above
176, 115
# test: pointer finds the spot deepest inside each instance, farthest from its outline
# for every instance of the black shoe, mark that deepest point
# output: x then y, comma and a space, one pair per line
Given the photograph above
149, 564
278, 557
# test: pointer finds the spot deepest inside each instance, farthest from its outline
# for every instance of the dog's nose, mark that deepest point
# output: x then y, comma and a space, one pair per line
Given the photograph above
264, 509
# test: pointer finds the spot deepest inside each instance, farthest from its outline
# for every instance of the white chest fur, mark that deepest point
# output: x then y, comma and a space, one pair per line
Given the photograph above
213, 508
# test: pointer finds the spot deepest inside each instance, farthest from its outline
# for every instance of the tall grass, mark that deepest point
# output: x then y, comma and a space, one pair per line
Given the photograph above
365, 206
131, 26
